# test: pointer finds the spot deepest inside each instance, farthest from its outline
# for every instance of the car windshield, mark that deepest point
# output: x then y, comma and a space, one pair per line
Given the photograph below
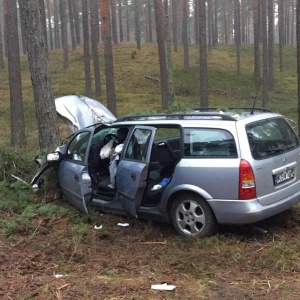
271, 137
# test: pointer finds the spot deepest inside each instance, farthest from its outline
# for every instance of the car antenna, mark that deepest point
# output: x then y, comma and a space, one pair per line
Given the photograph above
251, 113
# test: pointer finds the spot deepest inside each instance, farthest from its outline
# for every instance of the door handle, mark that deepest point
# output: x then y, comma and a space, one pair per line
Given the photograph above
133, 176
76, 177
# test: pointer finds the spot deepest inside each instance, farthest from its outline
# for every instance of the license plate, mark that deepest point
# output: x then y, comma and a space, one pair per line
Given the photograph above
284, 176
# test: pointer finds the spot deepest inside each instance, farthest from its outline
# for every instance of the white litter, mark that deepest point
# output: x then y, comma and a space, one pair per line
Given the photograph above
123, 224
163, 287
97, 227
58, 275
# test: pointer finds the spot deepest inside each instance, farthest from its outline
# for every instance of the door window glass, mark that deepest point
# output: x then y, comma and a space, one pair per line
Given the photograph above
77, 147
138, 145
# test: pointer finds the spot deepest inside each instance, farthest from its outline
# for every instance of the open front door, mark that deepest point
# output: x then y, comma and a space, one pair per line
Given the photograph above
133, 168
73, 172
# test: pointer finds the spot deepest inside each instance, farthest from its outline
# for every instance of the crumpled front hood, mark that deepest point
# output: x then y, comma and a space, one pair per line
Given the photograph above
81, 111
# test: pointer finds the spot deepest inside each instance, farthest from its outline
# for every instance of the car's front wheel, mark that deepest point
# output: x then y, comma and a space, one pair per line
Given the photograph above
192, 217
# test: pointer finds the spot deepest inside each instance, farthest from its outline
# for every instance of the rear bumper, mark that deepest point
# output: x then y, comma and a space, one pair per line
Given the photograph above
249, 211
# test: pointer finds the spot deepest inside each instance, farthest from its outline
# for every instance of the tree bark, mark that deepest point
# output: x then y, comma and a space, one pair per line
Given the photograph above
56, 26
203, 55
64, 32
158, 9
196, 16
94, 39
186, 64
76, 21
237, 34
72, 27
137, 24
281, 32
271, 43
120, 20
114, 21
50, 25
86, 48
40, 76
149, 9
108, 57
14, 74
298, 58
265, 55
174, 24
256, 14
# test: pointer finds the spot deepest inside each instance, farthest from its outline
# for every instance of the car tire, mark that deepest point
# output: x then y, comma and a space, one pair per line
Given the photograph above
192, 217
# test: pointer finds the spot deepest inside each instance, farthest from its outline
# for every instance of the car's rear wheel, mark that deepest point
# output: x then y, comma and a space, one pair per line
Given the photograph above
192, 217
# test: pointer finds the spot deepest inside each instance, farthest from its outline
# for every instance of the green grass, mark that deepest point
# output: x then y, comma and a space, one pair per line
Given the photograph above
137, 94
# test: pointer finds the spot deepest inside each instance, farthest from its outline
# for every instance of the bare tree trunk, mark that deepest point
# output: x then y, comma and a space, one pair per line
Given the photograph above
95, 38
2, 65
72, 27
216, 33
108, 56
49, 24
237, 34
256, 14
265, 55
40, 76
271, 43
120, 20
158, 8
281, 32
76, 21
209, 23
22, 33
169, 55
137, 24
298, 58
56, 27
86, 48
14, 73
64, 32
127, 22
196, 9
4, 12
175, 24
186, 64
149, 8
114, 21
43, 16
203, 55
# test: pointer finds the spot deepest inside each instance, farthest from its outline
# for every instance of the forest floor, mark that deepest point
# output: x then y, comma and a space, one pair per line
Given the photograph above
69, 257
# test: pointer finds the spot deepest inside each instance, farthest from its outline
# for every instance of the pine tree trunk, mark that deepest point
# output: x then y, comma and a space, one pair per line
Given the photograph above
86, 48
298, 58
137, 24
108, 56
265, 55
271, 43
56, 27
72, 27
237, 33
127, 21
281, 32
256, 14
158, 8
114, 22
174, 24
203, 55
14, 74
50, 25
120, 20
76, 21
40, 76
94, 41
196, 14
64, 32
186, 64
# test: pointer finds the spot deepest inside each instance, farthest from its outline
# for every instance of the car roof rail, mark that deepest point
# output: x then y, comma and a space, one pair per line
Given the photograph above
245, 109
179, 116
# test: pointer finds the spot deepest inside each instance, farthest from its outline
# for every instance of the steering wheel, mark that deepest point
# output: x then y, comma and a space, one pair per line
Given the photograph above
110, 137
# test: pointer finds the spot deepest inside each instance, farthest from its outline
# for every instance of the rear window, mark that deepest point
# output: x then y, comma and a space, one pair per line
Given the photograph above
209, 143
271, 137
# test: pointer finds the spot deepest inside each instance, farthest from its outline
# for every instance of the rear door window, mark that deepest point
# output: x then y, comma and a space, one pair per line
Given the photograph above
209, 143
271, 137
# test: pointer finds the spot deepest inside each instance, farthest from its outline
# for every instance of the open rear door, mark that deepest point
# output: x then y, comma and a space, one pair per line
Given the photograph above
133, 168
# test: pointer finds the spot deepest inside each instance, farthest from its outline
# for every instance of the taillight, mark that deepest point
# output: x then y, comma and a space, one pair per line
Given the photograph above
247, 189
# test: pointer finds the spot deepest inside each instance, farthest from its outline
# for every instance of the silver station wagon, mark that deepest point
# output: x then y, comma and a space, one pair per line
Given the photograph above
194, 170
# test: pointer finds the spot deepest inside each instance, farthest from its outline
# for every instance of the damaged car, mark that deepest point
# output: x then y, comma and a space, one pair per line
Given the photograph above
194, 170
